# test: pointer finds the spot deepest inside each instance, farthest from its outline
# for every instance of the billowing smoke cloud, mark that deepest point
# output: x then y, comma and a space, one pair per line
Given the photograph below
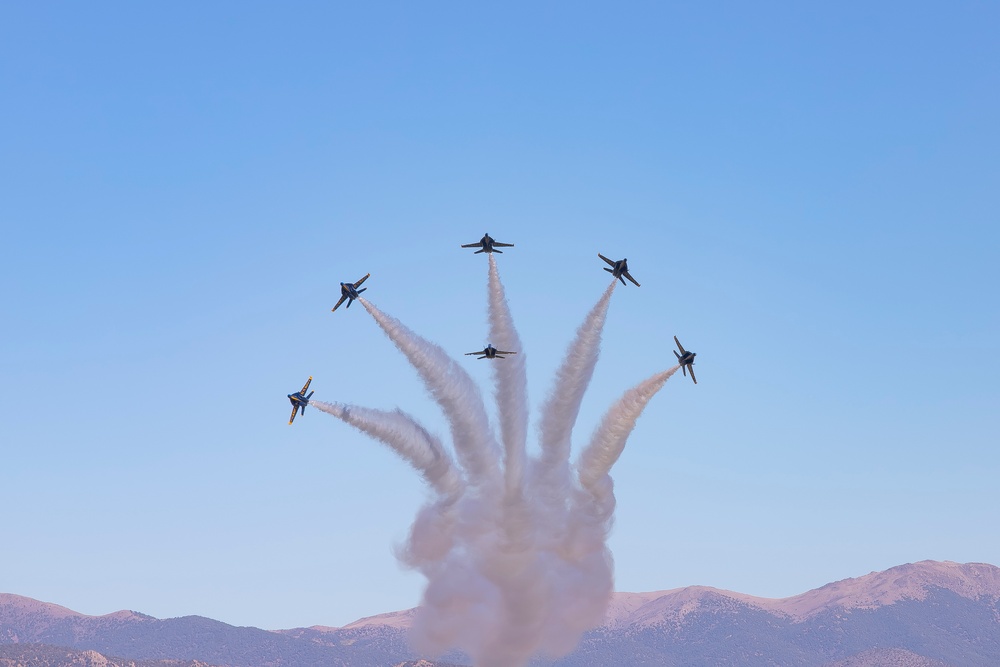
514, 550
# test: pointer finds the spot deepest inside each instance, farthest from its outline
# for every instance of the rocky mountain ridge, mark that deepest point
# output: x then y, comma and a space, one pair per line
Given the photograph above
926, 614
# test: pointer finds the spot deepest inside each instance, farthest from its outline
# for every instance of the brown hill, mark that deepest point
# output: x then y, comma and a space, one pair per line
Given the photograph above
927, 614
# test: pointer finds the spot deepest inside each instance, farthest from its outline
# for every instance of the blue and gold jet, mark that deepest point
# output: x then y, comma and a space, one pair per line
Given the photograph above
300, 400
685, 359
489, 352
487, 244
350, 292
619, 269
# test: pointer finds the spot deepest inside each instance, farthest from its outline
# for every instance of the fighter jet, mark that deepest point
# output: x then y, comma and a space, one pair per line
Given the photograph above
490, 352
350, 291
685, 359
487, 244
300, 400
619, 269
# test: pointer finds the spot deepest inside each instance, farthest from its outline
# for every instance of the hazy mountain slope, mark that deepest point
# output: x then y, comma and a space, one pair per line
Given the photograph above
887, 657
143, 637
927, 614
942, 628
41, 655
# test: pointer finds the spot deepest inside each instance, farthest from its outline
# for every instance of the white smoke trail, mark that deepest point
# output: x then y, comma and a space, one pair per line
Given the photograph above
401, 432
511, 379
572, 379
550, 472
524, 590
406, 437
455, 392
608, 441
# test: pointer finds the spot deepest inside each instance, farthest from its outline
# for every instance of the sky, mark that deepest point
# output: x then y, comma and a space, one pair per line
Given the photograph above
807, 193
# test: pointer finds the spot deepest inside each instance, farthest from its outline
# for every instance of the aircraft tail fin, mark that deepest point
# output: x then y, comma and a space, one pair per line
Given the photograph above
310, 394
608, 270
479, 251
362, 290
676, 355
684, 370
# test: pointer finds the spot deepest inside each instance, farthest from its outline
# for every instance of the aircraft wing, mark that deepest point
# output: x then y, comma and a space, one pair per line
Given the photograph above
679, 346
358, 284
629, 276
342, 299
605, 259
503, 245
305, 387
502, 352
472, 245
472, 353
295, 411
691, 368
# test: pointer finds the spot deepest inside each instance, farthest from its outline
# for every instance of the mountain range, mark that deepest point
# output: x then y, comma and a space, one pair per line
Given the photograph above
927, 614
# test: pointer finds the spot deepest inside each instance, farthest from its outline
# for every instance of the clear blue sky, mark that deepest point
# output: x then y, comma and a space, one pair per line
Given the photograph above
808, 196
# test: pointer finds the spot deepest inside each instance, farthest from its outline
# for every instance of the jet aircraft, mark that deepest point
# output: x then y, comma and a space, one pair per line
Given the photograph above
685, 359
487, 244
350, 291
619, 269
490, 352
300, 400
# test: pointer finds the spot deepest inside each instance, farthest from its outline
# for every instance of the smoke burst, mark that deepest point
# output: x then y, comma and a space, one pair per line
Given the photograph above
514, 550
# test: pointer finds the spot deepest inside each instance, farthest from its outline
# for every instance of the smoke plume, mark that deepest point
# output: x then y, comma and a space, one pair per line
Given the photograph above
514, 549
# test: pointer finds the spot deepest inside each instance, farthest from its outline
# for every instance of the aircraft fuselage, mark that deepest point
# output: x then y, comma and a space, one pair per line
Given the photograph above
489, 352
299, 403
619, 269
349, 292
685, 359
300, 400
488, 244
